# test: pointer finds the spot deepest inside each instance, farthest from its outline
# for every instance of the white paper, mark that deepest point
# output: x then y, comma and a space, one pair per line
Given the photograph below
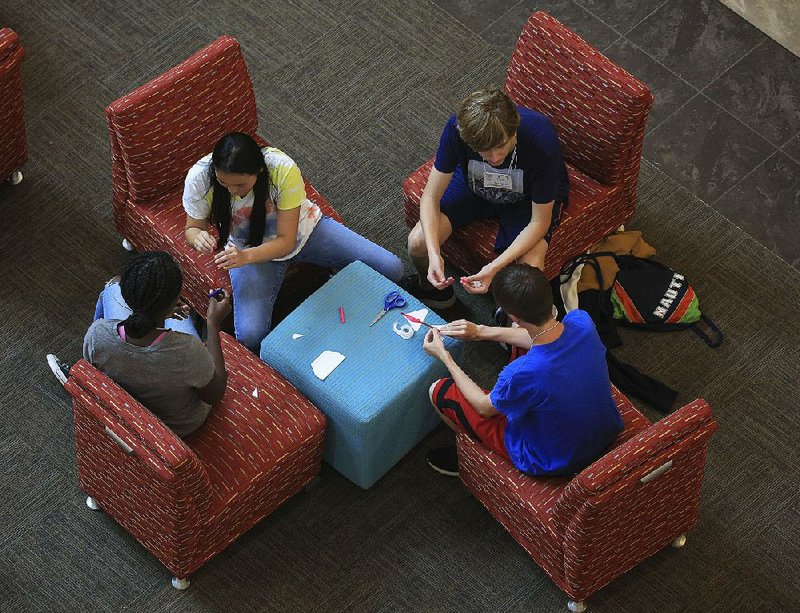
325, 363
255, 392
421, 315
296, 336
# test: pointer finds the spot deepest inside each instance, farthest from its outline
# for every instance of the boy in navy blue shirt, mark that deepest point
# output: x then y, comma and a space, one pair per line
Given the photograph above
551, 411
495, 160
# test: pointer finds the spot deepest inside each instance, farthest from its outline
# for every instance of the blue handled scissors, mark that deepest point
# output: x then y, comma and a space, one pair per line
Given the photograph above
392, 300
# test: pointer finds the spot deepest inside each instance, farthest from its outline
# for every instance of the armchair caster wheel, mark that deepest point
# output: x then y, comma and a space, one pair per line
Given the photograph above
180, 584
126, 245
577, 607
16, 178
92, 504
679, 541
312, 485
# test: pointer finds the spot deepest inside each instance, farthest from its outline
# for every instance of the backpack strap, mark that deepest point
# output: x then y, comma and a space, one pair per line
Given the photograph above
714, 332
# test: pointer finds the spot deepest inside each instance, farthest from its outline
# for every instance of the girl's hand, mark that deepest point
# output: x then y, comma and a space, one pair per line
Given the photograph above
181, 310
231, 258
204, 242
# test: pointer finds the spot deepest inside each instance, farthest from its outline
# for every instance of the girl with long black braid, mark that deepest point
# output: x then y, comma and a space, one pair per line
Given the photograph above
143, 339
257, 200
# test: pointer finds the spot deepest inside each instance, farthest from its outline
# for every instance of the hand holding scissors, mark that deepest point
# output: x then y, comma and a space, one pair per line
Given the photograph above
392, 300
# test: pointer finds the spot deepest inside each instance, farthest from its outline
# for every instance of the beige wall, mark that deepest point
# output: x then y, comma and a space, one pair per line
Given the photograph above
778, 19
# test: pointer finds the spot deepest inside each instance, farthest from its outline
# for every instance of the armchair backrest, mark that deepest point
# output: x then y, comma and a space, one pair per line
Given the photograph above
599, 109
13, 142
163, 127
629, 503
139, 471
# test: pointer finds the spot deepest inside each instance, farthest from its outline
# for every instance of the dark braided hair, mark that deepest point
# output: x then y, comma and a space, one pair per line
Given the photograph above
238, 153
150, 284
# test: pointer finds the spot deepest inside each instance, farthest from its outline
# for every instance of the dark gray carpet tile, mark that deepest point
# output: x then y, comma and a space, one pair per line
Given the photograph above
705, 149
670, 91
737, 583
162, 597
758, 92
33, 487
792, 148
348, 78
504, 31
89, 561
696, 39
622, 15
765, 204
429, 38
474, 14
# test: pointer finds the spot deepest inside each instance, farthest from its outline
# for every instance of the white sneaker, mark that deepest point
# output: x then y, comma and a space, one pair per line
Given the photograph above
60, 370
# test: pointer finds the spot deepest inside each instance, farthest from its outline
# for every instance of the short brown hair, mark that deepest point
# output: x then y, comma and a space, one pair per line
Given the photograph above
524, 292
486, 118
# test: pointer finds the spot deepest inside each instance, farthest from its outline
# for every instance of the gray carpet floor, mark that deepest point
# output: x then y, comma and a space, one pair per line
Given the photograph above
357, 93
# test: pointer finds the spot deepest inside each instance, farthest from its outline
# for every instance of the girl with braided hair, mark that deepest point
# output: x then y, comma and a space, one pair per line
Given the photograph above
143, 340
256, 198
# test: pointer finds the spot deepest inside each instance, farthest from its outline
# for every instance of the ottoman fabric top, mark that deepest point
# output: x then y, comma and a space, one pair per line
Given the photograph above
378, 363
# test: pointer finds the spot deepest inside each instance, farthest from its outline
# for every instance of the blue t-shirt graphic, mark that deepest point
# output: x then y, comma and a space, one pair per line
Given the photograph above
538, 156
557, 399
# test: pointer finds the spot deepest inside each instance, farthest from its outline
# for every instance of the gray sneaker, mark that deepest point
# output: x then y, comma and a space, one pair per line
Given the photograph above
59, 368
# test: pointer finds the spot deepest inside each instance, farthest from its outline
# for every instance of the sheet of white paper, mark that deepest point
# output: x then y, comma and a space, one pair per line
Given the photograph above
325, 363
296, 336
421, 315
255, 392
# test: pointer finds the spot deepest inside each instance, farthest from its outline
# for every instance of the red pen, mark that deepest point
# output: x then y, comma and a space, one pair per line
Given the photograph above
341, 314
414, 320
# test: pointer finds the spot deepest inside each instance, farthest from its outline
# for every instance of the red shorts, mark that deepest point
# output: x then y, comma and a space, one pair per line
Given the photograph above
452, 404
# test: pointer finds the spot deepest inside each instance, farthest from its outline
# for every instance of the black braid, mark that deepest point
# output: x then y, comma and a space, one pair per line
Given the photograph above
150, 283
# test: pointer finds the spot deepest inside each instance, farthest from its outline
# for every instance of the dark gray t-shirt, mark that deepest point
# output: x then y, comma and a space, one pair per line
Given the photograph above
164, 377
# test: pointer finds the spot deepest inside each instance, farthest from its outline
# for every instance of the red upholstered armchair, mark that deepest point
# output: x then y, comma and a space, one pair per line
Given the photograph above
587, 530
13, 144
186, 500
158, 132
600, 112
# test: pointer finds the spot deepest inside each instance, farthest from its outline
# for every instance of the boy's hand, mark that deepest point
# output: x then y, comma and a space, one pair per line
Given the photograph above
436, 273
434, 346
460, 328
219, 308
479, 282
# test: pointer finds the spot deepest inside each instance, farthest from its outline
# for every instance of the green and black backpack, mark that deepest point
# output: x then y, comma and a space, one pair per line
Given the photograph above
651, 296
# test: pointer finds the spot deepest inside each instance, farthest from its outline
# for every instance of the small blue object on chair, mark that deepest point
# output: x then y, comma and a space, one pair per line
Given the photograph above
376, 400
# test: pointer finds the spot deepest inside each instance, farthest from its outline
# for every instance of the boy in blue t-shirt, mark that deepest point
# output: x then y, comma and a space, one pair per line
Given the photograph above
551, 411
495, 160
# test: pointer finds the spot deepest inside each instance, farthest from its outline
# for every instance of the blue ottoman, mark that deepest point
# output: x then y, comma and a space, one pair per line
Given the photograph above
376, 400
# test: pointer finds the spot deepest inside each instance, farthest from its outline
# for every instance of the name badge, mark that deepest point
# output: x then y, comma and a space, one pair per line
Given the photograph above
497, 180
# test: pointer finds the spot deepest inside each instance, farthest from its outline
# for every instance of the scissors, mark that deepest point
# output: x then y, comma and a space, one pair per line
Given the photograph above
392, 300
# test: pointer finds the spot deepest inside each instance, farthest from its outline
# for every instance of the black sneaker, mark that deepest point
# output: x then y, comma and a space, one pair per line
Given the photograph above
444, 460
433, 298
60, 370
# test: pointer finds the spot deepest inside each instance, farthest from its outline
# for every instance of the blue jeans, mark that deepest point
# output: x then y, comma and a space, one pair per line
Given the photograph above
110, 305
255, 286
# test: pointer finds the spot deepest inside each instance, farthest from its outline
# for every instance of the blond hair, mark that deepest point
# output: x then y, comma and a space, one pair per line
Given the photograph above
487, 118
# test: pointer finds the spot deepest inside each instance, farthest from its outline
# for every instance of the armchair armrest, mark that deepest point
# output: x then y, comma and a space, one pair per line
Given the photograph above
10, 48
